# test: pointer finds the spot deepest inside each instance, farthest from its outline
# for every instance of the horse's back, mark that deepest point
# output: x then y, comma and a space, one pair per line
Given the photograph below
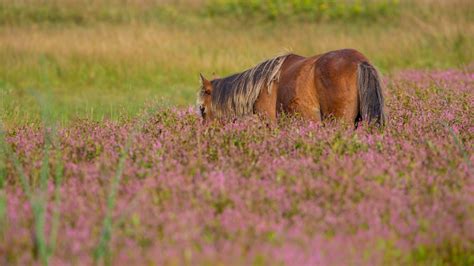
321, 85
295, 89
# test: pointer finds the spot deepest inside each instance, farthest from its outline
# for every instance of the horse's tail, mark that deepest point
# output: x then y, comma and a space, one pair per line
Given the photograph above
371, 102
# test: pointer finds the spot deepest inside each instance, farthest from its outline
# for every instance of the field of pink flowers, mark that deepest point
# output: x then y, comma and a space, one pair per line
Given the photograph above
168, 190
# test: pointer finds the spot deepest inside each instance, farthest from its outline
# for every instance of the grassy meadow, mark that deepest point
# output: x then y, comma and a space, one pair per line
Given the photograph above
102, 59
103, 160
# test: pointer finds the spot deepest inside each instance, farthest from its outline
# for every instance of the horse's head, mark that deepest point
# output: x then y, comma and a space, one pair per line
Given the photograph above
204, 100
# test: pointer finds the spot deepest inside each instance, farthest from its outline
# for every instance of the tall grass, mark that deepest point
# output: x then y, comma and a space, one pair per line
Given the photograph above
36, 191
102, 250
3, 198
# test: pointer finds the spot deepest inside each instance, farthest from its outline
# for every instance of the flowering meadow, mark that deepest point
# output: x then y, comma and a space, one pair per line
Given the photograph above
165, 189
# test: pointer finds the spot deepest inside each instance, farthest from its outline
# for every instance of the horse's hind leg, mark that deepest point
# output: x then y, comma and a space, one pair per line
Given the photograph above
307, 110
266, 104
338, 92
351, 106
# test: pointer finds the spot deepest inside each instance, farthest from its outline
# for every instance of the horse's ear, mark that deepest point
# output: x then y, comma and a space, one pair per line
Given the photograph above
204, 81
206, 84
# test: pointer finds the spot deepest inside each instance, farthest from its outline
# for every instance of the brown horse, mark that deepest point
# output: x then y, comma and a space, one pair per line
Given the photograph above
341, 83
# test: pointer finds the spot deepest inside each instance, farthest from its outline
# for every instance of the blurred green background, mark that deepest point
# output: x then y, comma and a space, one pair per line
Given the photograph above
105, 59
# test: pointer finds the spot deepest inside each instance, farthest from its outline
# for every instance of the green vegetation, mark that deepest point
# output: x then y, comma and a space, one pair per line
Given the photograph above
35, 187
306, 10
105, 59
81, 12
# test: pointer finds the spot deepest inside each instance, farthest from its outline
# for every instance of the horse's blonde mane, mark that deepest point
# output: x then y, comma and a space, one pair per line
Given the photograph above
236, 95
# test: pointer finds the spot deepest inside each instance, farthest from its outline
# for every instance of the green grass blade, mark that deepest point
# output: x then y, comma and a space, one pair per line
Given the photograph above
16, 162
58, 176
3, 197
39, 210
102, 249
39, 203
461, 147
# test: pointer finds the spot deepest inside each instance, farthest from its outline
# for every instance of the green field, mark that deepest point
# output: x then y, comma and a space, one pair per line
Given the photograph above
105, 59
103, 162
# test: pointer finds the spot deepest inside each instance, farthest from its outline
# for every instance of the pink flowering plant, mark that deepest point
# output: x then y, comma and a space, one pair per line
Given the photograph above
166, 189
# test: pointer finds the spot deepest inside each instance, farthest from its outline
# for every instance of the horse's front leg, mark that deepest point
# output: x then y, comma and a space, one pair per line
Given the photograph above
266, 104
